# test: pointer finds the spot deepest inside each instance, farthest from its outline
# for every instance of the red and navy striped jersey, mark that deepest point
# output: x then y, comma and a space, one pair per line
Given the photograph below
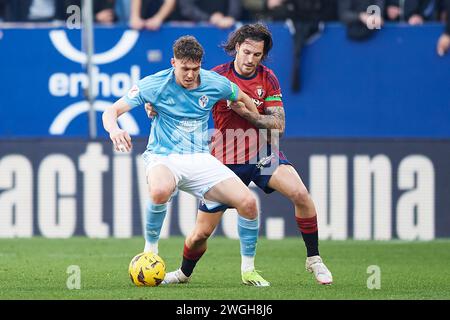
263, 87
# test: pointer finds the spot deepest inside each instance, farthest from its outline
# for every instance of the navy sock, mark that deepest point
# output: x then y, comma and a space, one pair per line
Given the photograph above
310, 234
190, 259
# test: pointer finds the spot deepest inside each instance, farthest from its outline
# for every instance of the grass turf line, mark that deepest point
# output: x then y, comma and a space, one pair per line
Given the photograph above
36, 269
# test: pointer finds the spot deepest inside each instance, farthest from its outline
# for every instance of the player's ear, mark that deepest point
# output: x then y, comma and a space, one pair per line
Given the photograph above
236, 47
172, 62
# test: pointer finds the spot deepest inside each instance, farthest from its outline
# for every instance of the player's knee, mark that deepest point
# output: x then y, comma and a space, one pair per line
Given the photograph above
300, 197
248, 207
160, 195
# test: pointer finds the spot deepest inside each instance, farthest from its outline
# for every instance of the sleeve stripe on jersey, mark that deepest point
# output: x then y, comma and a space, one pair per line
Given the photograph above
235, 90
273, 81
273, 98
220, 70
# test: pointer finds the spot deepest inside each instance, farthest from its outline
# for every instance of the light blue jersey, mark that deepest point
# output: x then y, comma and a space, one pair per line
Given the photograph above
181, 125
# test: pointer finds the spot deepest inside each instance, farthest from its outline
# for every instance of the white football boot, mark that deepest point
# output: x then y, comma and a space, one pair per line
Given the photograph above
315, 265
176, 276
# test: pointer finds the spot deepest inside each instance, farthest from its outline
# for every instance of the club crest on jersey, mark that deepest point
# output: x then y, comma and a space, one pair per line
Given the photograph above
133, 92
260, 92
203, 101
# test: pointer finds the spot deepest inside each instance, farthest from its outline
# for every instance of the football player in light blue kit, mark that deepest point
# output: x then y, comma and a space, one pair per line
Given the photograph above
177, 155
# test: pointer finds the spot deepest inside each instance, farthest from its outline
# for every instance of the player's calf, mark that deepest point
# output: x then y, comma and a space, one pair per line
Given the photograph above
155, 214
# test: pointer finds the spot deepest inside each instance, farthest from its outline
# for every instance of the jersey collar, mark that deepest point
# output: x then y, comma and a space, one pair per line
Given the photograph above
241, 76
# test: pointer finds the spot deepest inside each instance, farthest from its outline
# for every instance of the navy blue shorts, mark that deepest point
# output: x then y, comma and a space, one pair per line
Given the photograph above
252, 172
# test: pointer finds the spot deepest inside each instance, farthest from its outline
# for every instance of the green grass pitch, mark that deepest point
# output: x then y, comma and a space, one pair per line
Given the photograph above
36, 268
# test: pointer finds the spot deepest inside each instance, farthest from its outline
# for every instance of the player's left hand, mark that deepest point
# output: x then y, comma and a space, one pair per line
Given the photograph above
151, 113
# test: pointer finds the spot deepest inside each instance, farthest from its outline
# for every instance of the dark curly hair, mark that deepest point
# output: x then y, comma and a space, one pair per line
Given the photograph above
255, 32
188, 48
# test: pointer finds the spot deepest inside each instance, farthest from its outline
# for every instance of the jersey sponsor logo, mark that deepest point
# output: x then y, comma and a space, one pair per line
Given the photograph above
190, 125
257, 102
203, 101
134, 91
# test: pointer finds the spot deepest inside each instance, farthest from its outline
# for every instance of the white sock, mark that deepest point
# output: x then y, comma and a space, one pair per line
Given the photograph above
151, 246
247, 263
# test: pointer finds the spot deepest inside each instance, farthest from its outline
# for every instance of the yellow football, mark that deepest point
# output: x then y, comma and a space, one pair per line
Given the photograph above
147, 269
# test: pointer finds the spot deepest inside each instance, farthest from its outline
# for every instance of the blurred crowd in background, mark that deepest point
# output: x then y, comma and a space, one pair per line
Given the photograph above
305, 17
222, 13
150, 14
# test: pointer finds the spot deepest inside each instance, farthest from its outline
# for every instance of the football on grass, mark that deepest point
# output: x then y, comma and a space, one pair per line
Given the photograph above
147, 269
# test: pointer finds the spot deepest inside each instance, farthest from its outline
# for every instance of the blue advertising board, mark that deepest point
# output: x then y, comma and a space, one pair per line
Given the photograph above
393, 85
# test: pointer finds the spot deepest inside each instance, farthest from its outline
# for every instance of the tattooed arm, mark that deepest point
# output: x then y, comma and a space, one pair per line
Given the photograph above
274, 118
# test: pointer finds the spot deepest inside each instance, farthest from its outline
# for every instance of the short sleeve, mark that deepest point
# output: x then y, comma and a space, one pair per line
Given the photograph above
228, 90
234, 92
134, 96
274, 96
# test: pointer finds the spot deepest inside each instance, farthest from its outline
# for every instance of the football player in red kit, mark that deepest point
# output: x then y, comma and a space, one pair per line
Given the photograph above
258, 159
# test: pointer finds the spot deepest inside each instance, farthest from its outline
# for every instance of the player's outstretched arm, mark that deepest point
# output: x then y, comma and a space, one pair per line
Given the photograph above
247, 101
120, 138
273, 119
244, 105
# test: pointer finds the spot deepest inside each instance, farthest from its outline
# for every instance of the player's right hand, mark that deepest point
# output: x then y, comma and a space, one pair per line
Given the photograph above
151, 113
121, 140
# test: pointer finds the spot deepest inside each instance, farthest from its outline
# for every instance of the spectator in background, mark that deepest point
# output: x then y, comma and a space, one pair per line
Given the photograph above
253, 10
17, 10
41, 11
122, 10
415, 12
221, 13
2, 9
50, 10
150, 14
307, 17
443, 44
104, 11
360, 23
